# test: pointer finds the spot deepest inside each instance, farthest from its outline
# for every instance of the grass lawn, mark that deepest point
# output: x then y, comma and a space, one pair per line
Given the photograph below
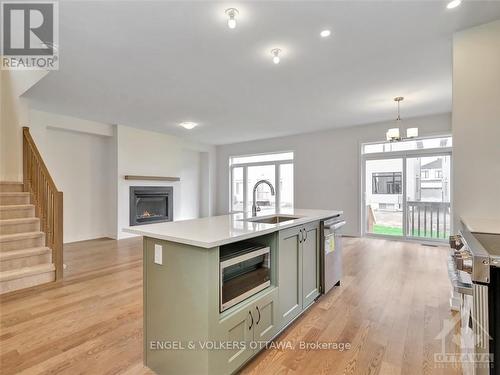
390, 231
395, 231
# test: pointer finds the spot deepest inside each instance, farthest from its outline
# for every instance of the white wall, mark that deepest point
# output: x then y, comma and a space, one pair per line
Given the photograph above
146, 153
88, 161
77, 154
327, 164
14, 114
476, 121
81, 169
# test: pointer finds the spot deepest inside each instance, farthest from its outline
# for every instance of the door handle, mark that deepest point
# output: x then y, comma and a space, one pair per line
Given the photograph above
258, 320
251, 317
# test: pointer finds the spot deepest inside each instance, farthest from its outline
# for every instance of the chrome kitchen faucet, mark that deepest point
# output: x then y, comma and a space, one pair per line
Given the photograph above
254, 205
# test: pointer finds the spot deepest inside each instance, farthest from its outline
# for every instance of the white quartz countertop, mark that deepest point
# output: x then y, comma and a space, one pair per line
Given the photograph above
215, 231
482, 225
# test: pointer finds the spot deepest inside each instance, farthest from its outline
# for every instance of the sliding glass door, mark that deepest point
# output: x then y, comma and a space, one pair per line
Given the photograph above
407, 192
428, 196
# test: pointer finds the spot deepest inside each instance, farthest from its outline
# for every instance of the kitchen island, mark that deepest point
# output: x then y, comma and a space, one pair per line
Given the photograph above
189, 327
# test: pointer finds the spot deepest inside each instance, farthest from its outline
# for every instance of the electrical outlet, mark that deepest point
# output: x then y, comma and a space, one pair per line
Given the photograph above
158, 254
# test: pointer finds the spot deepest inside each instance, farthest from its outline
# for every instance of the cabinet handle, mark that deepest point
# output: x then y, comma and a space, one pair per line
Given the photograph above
300, 235
258, 320
305, 232
251, 317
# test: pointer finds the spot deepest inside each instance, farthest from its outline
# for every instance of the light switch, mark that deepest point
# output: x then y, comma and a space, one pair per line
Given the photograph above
158, 254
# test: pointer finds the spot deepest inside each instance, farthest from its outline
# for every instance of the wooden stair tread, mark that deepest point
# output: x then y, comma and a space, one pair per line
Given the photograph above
16, 207
19, 236
24, 220
11, 186
8, 198
26, 271
13, 254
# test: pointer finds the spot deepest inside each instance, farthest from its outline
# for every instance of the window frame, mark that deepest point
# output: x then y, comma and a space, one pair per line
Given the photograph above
277, 176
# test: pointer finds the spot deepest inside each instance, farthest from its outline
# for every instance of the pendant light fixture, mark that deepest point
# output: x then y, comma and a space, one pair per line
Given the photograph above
275, 52
232, 13
394, 134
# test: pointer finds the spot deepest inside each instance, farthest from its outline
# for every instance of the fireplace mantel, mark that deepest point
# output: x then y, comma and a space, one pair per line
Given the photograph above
151, 178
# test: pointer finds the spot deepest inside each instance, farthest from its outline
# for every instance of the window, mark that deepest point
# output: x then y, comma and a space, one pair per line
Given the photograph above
386, 183
408, 145
247, 170
439, 173
282, 156
425, 173
237, 188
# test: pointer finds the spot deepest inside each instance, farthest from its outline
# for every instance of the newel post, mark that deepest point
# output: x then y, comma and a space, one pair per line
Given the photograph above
58, 236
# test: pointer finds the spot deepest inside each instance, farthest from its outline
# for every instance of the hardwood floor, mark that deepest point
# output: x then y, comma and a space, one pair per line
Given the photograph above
390, 307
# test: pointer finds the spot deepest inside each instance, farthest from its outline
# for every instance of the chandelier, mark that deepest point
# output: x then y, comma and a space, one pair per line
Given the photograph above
394, 134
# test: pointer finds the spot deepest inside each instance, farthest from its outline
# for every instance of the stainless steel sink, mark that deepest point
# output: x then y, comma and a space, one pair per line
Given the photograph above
275, 219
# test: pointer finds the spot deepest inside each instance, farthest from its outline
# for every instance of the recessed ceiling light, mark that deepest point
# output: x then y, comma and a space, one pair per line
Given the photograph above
325, 33
453, 4
188, 125
276, 55
232, 13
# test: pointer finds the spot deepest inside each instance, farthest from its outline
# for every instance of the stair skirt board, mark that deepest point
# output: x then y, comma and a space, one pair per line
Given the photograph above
26, 277
22, 225
16, 259
17, 211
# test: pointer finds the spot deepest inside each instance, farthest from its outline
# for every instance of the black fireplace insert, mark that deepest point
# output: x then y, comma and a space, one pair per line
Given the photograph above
151, 204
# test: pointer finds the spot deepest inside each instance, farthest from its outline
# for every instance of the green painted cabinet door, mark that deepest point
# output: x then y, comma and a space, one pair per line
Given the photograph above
289, 274
310, 264
265, 312
236, 328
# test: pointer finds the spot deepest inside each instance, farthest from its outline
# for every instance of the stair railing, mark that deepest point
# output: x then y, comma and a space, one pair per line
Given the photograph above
47, 199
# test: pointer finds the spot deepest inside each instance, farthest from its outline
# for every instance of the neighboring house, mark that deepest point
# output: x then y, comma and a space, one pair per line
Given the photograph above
433, 184
429, 182
384, 185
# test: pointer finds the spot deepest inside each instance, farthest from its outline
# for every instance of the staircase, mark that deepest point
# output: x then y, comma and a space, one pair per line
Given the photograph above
25, 261
30, 225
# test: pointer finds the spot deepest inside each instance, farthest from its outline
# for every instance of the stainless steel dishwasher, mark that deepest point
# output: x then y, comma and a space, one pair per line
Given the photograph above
331, 252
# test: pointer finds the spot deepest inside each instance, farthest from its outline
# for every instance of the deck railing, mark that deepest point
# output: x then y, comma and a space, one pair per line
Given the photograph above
47, 199
428, 219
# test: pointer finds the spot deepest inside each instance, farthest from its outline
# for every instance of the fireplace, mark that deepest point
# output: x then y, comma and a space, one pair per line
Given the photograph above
151, 204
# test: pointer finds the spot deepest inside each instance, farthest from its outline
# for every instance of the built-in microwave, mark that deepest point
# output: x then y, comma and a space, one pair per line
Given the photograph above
245, 269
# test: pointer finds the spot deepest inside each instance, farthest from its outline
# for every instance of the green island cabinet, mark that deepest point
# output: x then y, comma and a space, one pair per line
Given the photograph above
184, 331
298, 269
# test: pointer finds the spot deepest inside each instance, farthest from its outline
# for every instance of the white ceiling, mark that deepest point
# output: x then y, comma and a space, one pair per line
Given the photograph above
152, 65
